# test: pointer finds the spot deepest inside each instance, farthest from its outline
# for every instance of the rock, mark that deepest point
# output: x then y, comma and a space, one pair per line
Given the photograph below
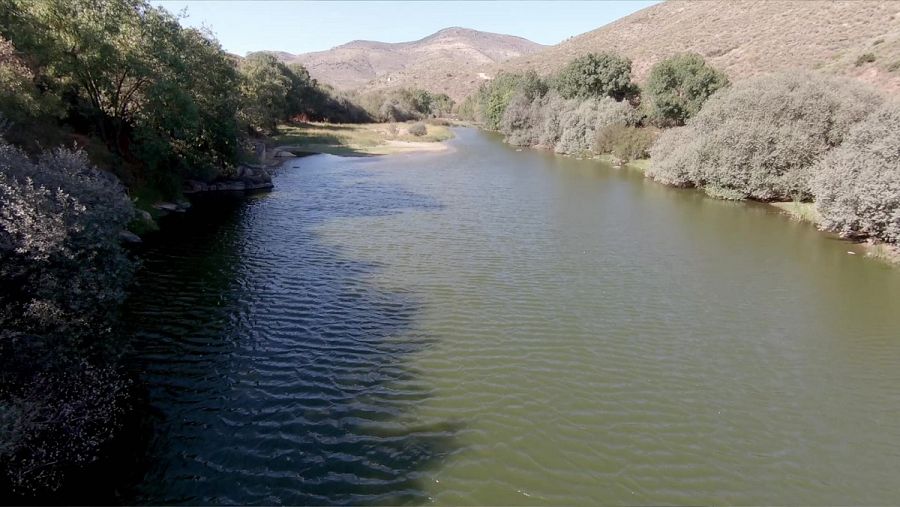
144, 216
129, 237
283, 154
194, 186
166, 206
183, 205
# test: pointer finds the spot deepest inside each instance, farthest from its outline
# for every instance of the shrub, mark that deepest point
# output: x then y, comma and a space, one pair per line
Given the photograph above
493, 97
578, 125
521, 120
857, 185
678, 87
624, 142
418, 129
553, 106
865, 58
596, 75
761, 138
566, 126
62, 274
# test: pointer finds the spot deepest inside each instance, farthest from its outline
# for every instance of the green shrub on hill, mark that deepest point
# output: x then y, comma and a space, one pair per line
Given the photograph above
596, 75
678, 87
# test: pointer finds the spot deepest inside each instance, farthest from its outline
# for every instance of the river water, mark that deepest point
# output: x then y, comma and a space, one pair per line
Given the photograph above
492, 326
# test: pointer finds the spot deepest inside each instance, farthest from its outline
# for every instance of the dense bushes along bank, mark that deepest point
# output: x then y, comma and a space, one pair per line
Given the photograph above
789, 137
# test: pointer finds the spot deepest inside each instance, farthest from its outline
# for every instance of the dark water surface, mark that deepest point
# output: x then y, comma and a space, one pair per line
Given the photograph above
486, 326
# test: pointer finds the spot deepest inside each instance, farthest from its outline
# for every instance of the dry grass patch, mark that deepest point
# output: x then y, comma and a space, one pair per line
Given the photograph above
802, 211
358, 139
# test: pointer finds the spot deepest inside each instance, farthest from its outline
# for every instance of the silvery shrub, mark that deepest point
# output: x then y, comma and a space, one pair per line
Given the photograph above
857, 185
762, 138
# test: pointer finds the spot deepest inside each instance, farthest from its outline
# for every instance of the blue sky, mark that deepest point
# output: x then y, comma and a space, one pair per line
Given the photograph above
300, 27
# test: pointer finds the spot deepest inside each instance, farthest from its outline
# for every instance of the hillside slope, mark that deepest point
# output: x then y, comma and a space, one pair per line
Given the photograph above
447, 61
747, 37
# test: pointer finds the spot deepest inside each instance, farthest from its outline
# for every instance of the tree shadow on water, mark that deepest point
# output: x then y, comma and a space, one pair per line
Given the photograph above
274, 372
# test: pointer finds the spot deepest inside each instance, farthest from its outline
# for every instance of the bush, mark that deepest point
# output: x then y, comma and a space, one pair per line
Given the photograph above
521, 120
63, 273
864, 59
490, 102
760, 138
624, 142
404, 104
596, 75
857, 185
566, 126
678, 87
418, 129
578, 125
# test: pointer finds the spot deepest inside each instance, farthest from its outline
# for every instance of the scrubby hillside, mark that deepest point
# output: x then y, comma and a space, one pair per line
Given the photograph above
448, 61
860, 39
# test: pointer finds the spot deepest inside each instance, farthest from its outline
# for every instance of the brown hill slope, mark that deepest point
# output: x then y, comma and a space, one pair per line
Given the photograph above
748, 37
447, 61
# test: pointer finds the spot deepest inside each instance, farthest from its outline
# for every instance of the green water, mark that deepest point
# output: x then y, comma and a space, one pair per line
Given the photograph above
492, 326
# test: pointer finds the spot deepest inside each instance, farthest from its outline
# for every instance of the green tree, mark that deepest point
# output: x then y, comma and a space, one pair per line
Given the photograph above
678, 87
161, 96
264, 91
301, 89
596, 75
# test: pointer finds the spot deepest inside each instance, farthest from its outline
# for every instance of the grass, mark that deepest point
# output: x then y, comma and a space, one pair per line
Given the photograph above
640, 164
802, 211
358, 140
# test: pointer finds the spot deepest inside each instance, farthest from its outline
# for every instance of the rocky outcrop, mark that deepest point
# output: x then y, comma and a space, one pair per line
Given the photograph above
246, 178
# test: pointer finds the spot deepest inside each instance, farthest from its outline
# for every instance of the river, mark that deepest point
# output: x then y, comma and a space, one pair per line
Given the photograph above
493, 326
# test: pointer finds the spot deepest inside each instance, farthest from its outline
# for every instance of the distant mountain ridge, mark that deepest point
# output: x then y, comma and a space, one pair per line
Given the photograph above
447, 61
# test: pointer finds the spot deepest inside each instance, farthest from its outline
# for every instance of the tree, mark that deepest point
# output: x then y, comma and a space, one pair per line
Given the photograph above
160, 96
264, 91
596, 75
301, 89
441, 105
678, 87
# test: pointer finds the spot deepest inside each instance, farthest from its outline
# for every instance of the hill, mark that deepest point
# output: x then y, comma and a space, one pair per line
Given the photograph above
447, 61
747, 37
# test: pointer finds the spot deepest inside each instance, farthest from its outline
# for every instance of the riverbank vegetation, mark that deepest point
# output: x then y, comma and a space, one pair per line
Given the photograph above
800, 138
63, 273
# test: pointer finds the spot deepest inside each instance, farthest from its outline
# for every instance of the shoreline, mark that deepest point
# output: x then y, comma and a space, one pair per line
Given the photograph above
804, 212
